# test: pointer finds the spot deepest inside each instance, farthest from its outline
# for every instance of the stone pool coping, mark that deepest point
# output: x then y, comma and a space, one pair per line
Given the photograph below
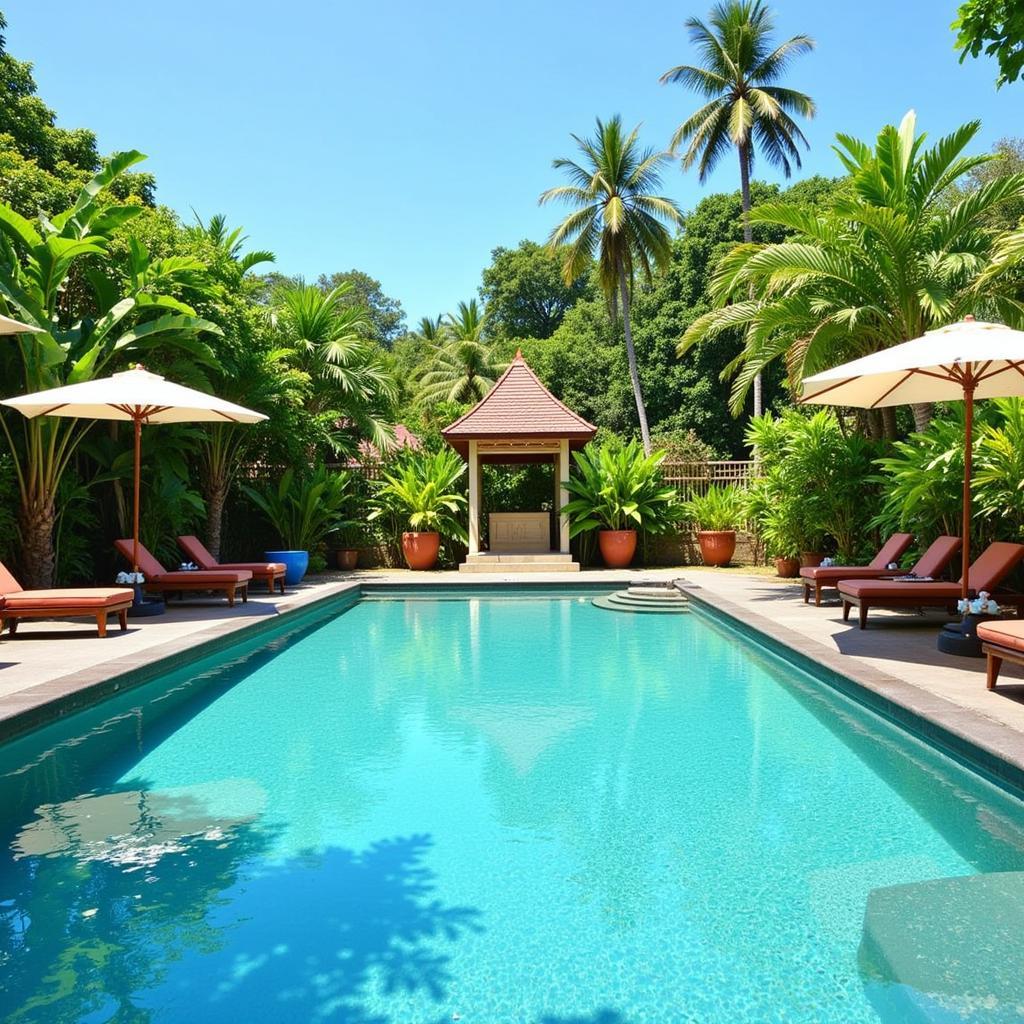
989, 748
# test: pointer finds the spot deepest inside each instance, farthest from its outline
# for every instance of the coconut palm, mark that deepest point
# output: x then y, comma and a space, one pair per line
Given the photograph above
885, 263
327, 338
619, 220
747, 108
461, 367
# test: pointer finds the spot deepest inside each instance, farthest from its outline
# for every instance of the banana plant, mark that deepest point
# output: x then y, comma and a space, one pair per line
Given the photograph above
57, 274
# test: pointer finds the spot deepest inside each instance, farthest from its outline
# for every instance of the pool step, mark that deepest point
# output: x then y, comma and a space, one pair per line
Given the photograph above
646, 600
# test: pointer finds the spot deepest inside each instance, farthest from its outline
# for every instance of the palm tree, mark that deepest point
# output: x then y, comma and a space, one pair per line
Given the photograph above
882, 265
327, 336
618, 219
746, 108
462, 367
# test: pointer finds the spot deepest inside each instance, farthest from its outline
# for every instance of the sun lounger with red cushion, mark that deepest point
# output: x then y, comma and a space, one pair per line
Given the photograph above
271, 573
991, 567
820, 576
1001, 640
933, 562
63, 603
159, 580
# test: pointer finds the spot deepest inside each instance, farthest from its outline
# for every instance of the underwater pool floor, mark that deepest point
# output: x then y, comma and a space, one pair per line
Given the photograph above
482, 810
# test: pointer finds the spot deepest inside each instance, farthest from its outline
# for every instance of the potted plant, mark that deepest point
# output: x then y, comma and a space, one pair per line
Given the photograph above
618, 491
716, 514
304, 510
781, 530
421, 488
346, 553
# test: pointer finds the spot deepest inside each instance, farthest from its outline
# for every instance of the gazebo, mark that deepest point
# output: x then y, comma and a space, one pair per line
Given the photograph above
517, 421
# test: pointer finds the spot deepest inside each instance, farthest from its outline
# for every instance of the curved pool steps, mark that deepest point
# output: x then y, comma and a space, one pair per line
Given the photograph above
649, 600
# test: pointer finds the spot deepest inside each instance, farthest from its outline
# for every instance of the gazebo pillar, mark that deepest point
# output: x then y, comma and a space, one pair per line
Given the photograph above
474, 498
561, 494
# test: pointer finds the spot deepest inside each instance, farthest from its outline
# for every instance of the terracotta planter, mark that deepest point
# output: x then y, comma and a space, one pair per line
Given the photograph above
787, 568
420, 549
716, 546
348, 558
617, 547
810, 559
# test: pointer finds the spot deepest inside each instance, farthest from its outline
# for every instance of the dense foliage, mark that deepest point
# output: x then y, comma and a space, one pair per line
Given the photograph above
997, 27
765, 281
617, 487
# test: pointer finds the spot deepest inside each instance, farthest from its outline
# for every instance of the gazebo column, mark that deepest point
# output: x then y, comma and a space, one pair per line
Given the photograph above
561, 475
474, 499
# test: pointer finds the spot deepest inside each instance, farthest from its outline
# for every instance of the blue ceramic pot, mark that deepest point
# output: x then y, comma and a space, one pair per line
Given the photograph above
295, 564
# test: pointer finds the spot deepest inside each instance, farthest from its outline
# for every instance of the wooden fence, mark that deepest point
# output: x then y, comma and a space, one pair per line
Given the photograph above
696, 477
687, 477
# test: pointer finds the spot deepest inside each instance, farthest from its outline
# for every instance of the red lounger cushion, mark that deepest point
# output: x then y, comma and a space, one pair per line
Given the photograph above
156, 573
197, 576
881, 589
200, 554
263, 568
1006, 634
890, 551
826, 573
86, 599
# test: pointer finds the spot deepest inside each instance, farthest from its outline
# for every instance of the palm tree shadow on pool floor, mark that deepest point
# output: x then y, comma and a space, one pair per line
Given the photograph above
315, 937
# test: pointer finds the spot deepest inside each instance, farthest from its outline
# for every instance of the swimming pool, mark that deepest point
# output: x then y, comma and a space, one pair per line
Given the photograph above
519, 809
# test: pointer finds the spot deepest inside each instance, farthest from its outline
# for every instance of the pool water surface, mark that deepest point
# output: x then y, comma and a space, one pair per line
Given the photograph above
494, 811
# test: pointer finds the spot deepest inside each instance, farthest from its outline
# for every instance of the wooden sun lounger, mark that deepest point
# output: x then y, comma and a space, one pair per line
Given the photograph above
933, 562
1001, 640
271, 573
821, 576
62, 603
991, 567
160, 581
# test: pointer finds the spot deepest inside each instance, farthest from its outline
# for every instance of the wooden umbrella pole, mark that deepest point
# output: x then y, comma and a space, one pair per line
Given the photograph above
968, 452
137, 420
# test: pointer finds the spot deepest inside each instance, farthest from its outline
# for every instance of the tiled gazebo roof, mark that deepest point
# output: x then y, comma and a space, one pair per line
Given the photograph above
518, 407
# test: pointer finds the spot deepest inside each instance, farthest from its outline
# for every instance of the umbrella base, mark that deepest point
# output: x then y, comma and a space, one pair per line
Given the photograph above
961, 639
143, 609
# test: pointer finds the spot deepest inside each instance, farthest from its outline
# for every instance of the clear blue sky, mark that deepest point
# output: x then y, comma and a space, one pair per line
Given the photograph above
409, 139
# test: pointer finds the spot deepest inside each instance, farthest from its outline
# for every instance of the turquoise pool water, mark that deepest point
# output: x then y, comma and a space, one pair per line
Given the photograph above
494, 811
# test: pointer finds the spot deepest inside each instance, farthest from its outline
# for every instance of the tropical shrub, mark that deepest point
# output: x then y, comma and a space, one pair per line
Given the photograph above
922, 480
620, 488
304, 508
719, 508
822, 475
423, 490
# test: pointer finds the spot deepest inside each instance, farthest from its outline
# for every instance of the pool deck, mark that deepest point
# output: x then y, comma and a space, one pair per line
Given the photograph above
46, 664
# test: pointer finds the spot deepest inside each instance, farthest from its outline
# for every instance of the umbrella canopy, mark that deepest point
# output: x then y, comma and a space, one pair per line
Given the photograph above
139, 396
135, 394
9, 326
960, 362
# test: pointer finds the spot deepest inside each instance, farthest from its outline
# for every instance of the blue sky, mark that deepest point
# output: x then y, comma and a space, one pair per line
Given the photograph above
409, 139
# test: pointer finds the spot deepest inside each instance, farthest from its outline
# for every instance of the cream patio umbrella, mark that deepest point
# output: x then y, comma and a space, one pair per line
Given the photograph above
139, 396
960, 362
